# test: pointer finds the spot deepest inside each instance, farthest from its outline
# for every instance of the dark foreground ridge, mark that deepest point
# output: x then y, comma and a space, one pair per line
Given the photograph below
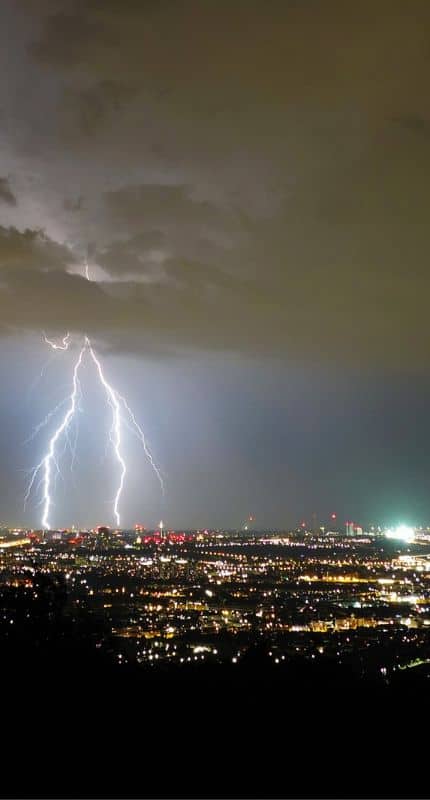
79, 722
81, 726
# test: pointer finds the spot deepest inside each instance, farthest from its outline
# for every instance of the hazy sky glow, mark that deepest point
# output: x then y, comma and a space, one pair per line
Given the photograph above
251, 181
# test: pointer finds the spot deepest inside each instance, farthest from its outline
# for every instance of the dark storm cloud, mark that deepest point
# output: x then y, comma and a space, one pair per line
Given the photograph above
73, 204
91, 108
133, 207
67, 35
31, 250
6, 194
132, 256
189, 299
414, 124
216, 52
255, 175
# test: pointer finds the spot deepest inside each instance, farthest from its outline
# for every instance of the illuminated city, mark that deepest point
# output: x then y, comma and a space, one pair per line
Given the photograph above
166, 597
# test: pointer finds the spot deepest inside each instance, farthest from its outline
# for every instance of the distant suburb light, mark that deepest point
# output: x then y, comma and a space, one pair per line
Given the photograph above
403, 532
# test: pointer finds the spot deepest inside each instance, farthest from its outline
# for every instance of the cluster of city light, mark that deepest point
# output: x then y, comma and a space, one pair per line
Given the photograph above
117, 404
403, 533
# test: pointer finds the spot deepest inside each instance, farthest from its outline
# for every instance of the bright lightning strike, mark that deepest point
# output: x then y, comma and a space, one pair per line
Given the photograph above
50, 457
116, 402
116, 427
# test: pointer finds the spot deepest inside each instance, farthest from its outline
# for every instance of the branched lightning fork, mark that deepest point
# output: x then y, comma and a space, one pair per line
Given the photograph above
116, 402
141, 436
49, 458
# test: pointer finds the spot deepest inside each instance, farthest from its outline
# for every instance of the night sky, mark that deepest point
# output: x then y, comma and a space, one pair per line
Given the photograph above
250, 183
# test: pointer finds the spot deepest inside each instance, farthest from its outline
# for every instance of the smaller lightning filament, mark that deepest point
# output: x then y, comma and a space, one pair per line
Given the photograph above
141, 436
55, 346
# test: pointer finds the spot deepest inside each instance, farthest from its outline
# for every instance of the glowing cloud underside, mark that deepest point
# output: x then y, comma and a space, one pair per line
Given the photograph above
116, 402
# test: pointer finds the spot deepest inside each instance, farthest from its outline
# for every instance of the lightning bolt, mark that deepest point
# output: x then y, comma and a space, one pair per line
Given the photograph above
142, 438
39, 377
115, 432
50, 458
117, 403
55, 346
45, 421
